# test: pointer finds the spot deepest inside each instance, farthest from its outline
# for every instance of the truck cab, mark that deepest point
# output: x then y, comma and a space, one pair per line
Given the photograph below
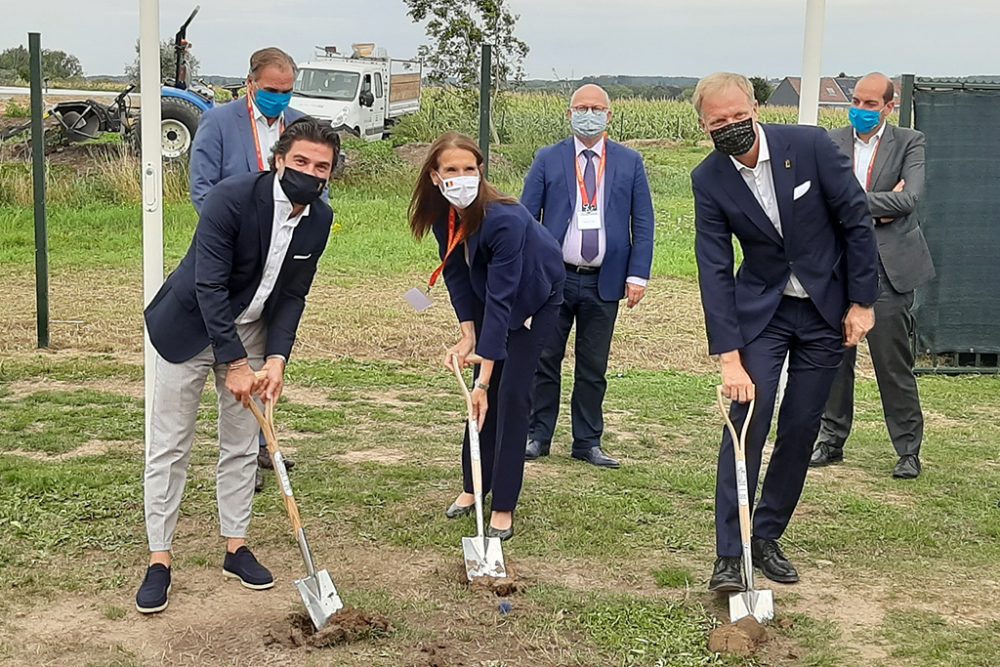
363, 94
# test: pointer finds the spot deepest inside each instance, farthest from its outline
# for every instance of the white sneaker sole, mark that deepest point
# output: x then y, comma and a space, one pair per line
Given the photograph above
253, 587
153, 610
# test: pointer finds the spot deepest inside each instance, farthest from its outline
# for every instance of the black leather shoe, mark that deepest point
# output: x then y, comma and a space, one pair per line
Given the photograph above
504, 535
258, 482
243, 565
455, 510
154, 591
596, 456
727, 576
907, 468
767, 555
264, 461
535, 449
825, 454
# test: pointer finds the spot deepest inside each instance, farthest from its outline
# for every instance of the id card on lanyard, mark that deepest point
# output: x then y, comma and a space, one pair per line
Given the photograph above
589, 216
420, 299
261, 163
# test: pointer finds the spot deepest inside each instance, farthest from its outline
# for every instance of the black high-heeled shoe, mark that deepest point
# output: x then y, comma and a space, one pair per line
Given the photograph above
504, 534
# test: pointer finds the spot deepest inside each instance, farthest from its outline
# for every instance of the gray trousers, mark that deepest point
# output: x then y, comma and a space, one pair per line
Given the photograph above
176, 396
892, 357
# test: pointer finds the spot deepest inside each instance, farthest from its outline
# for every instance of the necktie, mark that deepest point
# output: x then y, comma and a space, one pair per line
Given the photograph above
590, 238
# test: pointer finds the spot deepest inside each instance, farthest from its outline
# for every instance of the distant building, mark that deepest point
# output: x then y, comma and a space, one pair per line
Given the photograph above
834, 92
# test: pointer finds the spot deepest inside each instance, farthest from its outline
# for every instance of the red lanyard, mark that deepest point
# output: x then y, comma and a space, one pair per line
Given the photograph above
454, 238
253, 131
871, 165
584, 197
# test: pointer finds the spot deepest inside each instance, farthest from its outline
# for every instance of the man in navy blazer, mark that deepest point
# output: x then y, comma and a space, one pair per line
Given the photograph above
232, 306
237, 138
593, 195
805, 288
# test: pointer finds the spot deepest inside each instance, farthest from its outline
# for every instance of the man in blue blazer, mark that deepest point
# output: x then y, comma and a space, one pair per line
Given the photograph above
593, 195
805, 288
237, 138
232, 306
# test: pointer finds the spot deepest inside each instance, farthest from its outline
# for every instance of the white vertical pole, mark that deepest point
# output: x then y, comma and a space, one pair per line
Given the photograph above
812, 62
152, 175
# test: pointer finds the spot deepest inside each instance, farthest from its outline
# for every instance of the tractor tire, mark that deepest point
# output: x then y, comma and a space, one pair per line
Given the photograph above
178, 124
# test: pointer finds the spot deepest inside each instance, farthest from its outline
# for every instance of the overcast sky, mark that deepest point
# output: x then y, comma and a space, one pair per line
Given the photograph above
568, 38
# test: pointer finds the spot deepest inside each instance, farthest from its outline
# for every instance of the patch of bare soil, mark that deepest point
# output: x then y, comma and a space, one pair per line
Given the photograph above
347, 625
377, 455
498, 586
742, 638
90, 448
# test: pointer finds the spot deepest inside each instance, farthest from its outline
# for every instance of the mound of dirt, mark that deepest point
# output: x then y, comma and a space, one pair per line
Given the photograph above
499, 586
743, 638
347, 625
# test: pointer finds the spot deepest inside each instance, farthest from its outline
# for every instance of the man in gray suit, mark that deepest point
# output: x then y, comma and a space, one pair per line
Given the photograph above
889, 165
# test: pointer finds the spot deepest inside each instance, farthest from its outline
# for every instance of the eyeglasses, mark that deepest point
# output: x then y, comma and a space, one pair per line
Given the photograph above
585, 109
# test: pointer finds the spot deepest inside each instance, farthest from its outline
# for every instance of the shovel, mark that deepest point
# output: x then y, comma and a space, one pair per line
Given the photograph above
317, 590
483, 555
751, 602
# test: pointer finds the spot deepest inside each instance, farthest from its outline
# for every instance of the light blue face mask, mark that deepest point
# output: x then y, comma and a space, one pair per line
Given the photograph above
271, 104
589, 124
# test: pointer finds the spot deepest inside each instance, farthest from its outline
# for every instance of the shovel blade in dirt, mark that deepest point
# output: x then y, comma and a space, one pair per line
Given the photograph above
483, 557
320, 597
759, 604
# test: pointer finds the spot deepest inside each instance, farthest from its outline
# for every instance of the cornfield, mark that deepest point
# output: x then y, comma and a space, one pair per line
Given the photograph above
539, 119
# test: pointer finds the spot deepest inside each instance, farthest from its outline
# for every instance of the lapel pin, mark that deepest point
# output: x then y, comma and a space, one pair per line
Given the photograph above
788, 164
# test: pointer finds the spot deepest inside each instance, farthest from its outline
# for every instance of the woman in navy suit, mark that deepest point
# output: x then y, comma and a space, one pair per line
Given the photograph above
504, 274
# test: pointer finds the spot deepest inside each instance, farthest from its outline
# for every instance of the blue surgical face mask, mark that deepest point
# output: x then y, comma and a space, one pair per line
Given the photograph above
271, 104
864, 120
589, 124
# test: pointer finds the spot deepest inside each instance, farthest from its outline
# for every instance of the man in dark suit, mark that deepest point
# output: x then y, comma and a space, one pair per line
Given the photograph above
232, 306
889, 164
593, 195
805, 288
237, 138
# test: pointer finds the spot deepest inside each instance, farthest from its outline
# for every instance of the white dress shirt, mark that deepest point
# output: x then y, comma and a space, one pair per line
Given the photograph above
864, 153
572, 244
267, 134
282, 228
760, 180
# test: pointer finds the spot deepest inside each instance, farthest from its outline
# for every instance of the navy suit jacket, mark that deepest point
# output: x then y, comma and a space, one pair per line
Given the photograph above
550, 193
224, 146
199, 302
829, 238
514, 268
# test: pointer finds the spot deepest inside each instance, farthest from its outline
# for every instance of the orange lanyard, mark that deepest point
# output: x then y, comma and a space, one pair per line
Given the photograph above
584, 197
256, 138
454, 238
871, 165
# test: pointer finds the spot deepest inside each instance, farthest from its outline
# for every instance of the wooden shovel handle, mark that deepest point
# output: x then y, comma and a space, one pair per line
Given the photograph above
267, 427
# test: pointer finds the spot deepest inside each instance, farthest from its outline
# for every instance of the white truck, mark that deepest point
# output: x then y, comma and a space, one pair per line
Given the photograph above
363, 94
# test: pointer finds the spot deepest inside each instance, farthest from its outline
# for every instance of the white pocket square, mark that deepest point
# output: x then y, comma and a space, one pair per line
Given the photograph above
801, 190
302, 256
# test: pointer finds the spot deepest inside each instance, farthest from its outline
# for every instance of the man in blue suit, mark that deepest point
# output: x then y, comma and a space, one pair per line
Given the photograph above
237, 138
232, 307
806, 288
593, 195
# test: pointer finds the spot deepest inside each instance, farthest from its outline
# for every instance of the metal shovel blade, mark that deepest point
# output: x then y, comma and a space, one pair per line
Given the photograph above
320, 597
483, 557
759, 604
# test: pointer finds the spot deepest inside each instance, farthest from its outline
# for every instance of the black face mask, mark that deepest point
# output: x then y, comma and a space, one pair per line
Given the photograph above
736, 138
300, 187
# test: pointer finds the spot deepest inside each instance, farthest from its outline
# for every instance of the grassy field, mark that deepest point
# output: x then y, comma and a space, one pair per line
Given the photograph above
613, 563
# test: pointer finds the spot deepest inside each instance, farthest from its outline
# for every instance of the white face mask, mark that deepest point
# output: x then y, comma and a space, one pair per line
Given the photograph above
461, 191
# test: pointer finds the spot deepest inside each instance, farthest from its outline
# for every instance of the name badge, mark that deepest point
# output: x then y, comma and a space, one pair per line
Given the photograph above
418, 299
589, 218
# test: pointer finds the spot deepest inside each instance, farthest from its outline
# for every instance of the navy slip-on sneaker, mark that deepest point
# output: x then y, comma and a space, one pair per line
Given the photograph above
243, 565
152, 595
